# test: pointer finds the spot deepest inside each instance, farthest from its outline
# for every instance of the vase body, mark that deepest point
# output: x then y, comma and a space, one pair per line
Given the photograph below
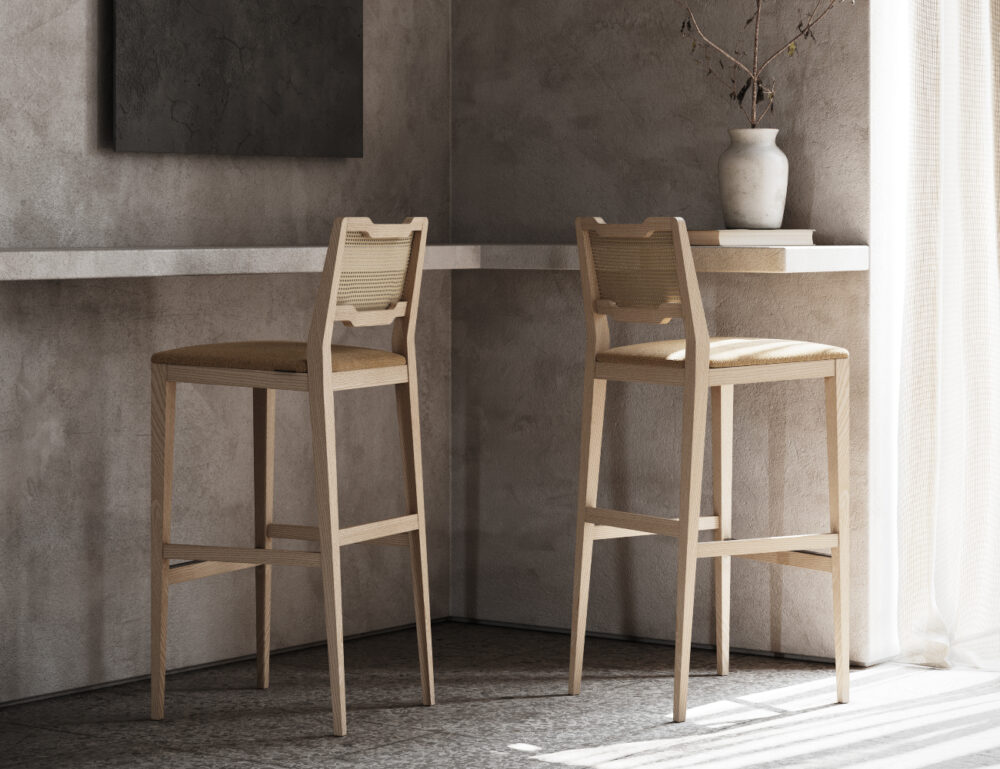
753, 179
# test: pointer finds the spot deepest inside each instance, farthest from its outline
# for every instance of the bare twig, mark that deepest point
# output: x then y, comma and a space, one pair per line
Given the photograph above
754, 85
770, 102
731, 83
710, 44
804, 29
756, 72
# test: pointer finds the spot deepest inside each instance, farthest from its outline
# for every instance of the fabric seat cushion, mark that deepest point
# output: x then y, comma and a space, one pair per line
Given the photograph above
724, 352
275, 356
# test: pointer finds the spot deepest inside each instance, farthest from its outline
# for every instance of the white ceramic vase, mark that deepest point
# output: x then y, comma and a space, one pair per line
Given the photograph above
753, 179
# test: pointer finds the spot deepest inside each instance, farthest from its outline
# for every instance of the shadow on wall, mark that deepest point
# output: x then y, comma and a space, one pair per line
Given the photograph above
777, 450
471, 440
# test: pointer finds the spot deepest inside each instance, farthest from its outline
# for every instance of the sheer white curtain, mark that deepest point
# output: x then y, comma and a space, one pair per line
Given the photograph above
943, 316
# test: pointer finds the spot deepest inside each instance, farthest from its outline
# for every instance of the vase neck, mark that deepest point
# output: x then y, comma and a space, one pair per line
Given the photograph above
753, 135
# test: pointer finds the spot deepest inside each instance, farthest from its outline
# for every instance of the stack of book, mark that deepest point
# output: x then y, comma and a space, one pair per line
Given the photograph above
751, 238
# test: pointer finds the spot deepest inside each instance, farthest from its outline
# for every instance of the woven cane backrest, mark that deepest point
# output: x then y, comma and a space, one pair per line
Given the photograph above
640, 273
371, 276
374, 270
637, 272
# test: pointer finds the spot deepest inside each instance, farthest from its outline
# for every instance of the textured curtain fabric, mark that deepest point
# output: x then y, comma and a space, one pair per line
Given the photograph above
949, 386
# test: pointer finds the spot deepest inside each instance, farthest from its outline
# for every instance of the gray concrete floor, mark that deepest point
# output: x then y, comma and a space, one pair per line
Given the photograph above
501, 703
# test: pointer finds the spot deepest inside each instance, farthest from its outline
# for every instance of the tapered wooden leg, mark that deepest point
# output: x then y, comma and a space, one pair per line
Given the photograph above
162, 408
722, 488
263, 497
408, 411
328, 520
594, 397
692, 459
581, 596
838, 456
422, 611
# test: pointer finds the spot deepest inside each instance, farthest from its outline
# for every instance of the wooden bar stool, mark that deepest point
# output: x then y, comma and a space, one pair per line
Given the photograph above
644, 273
371, 278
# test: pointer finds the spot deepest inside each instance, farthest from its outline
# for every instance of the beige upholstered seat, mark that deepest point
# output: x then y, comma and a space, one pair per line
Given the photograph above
275, 356
724, 352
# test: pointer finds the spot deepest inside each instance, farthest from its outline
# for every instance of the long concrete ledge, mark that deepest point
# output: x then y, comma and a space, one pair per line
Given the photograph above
81, 264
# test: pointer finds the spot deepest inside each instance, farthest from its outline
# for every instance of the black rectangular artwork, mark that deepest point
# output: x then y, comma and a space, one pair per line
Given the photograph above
239, 77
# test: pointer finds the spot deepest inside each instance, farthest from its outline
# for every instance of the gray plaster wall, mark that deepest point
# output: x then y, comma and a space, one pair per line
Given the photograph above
572, 108
74, 397
62, 185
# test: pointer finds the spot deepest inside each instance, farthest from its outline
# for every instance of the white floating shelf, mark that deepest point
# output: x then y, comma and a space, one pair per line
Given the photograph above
766, 259
80, 264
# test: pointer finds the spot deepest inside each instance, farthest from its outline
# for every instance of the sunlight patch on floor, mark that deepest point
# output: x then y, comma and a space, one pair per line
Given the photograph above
899, 716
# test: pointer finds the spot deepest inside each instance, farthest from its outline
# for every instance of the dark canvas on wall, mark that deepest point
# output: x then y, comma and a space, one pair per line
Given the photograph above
239, 77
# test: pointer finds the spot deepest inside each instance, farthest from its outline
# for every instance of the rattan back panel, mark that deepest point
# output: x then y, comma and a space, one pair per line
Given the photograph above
374, 270
635, 271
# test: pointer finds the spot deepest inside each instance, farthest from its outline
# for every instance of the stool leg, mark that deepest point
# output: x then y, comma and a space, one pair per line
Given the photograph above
328, 519
722, 488
263, 500
692, 460
838, 457
408, 412
594, 397
162, 409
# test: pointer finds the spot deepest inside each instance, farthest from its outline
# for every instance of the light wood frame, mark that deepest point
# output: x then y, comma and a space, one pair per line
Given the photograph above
701, 384
320, 383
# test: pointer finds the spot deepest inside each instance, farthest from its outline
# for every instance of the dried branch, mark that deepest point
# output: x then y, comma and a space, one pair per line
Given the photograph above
769, 93
754, 86
731, 83
756, 47
694, 22
805, 30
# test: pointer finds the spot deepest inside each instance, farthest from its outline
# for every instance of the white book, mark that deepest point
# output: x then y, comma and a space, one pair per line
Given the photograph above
751, 237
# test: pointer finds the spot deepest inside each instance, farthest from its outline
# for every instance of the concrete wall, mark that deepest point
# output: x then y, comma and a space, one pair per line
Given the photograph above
599, 108
63, 186
74, 393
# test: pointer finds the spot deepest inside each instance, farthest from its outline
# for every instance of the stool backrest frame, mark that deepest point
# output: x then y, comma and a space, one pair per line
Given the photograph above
640, 273
371, 277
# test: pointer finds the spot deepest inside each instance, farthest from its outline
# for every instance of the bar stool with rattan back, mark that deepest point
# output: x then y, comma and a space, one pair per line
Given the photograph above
644, 273
371, 278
